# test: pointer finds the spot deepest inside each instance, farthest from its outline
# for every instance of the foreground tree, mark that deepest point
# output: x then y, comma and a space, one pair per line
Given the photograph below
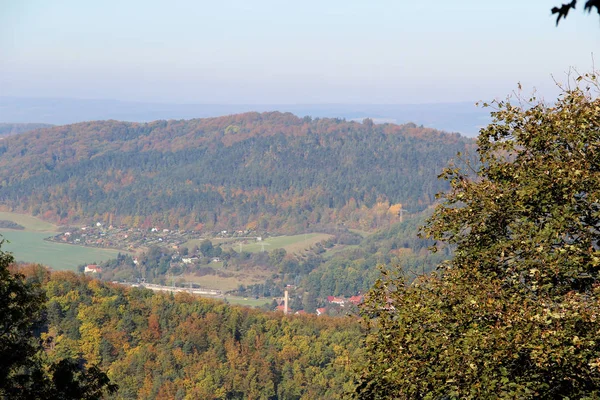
516, 312
563, 10
23, 372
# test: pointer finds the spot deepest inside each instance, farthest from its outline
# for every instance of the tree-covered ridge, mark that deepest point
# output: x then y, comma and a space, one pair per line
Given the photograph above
161, 346
270, 171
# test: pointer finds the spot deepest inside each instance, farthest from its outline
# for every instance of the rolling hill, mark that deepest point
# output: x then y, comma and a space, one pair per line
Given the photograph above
270, 171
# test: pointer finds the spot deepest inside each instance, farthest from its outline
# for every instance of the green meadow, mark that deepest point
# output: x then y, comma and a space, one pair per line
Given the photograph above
29, 245
291, 244
226, 283
247, 301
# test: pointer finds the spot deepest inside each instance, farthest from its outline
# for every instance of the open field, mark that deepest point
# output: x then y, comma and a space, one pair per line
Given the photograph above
196, 242
30, 246
224, 283
30, 223
291, 244
247, 301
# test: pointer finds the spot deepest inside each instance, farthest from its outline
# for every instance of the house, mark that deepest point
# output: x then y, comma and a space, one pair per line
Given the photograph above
356, 300
300, 312
336, 300
216, 259
321, 311
281, 308
92, 269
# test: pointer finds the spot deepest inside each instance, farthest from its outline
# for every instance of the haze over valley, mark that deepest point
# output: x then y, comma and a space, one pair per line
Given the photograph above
464, 118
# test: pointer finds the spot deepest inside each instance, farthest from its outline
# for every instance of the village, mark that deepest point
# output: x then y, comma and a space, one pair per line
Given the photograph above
133, 240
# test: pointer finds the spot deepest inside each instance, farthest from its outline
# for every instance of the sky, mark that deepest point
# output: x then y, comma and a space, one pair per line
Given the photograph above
290, 52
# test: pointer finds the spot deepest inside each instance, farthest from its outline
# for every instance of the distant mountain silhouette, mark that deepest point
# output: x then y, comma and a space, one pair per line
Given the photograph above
464, 118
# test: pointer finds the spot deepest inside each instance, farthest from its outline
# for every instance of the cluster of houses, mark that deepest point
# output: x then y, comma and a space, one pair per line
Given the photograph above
123, 238
331, 300
196, 259
340, 301
131, 239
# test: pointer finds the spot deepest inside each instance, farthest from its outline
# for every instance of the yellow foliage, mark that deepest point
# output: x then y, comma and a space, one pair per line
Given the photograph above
395, 209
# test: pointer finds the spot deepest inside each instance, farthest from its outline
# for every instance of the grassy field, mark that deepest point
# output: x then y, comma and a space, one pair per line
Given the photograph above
30, 223
291, 244
247, 301
31, 247
225, 283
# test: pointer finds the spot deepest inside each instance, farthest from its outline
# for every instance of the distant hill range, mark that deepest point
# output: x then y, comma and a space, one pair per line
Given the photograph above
13, 129
464, 118
271, 171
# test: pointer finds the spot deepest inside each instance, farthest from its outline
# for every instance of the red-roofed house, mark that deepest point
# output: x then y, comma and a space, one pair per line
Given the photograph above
356, 300
321, 311
335, 300
92, 269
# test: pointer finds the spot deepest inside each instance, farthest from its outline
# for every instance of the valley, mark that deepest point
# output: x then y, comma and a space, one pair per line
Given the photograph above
299, 200
247, 204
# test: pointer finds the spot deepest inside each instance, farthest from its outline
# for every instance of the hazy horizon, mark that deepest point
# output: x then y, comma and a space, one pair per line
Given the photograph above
462, 117
265, 52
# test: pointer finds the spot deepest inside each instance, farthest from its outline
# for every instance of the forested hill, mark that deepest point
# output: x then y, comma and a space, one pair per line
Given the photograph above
271, 171
158, 346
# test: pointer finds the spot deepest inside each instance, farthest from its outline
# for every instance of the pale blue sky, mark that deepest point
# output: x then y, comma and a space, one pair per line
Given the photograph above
278, 51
